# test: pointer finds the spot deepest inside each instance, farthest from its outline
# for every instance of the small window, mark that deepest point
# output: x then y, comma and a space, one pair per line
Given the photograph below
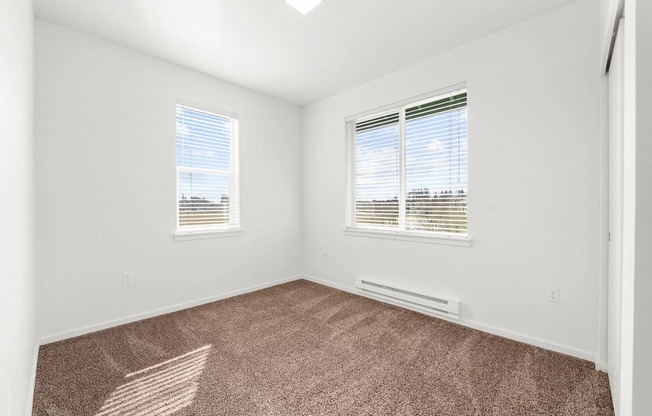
409, 168
207, 170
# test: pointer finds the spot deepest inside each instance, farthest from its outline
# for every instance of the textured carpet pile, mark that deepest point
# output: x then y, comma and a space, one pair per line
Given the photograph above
305, 349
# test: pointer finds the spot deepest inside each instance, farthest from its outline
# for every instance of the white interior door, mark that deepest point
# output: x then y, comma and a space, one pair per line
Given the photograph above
615, 214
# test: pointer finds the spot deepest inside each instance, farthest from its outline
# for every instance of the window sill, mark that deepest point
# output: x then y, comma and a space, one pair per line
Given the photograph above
408, 236
205, 234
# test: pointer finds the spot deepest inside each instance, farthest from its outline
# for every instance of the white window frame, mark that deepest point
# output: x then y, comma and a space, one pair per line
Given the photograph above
376, 232
218, 230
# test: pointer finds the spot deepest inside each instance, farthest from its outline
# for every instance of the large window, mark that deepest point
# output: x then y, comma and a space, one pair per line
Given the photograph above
409, 168
207, 170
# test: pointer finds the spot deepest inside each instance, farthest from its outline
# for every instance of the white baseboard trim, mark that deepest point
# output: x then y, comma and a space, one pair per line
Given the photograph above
546, 345
32, 381
602, 366
515, 336
156, 312
585, 355
328, 283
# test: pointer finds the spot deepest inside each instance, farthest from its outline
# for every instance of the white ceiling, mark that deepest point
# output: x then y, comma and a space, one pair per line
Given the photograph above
267, 46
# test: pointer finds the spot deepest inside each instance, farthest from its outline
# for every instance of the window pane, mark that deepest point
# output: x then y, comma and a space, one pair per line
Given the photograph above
436, 166
377, 172
203, 199
203, 139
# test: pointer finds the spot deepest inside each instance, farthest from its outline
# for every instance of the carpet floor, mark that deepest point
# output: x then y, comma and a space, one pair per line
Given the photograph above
305, 349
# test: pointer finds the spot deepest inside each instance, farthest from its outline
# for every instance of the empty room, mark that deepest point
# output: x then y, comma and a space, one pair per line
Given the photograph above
326, 207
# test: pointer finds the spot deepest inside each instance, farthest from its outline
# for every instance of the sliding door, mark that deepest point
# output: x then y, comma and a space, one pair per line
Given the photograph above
616, 105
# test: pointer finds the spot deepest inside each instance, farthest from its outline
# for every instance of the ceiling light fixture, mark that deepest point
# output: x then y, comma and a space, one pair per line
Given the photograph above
303, 6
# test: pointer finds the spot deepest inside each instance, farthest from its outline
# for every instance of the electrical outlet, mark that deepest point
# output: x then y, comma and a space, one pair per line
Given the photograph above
553, 294
326, 254
127, 278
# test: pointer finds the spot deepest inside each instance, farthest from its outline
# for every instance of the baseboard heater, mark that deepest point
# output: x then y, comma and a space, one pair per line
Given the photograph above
409, 298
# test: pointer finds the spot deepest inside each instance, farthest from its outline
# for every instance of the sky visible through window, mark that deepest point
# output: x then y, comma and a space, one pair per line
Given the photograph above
434, 173
204, 142
435, 152
435, 156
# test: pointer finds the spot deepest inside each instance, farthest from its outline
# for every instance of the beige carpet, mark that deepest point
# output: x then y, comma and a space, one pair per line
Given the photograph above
305, 349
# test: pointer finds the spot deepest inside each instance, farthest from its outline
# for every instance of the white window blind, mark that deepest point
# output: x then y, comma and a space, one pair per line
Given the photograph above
409, 167
377, 184
207, 181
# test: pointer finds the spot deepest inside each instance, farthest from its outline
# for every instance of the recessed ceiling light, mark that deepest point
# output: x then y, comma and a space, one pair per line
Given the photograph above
304, 6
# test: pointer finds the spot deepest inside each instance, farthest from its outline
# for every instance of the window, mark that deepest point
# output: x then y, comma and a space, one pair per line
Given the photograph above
409, 168
207, 170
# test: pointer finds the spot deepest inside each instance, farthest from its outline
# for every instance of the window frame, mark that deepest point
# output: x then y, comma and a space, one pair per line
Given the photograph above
233, 227
350, 227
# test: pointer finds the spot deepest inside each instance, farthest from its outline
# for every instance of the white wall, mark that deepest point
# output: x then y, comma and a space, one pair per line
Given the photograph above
534, 181
105, 185
642, 365
17, 337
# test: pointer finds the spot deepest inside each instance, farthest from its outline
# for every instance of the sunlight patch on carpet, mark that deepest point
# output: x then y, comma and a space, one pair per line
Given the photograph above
161, 389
